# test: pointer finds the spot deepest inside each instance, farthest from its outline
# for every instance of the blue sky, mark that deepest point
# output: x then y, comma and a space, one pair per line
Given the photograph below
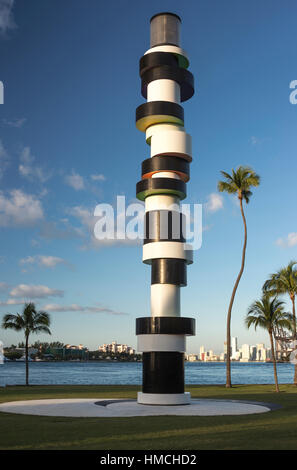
69, 142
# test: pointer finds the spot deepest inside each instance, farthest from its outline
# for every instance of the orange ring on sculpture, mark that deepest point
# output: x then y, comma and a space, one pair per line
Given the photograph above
183, 176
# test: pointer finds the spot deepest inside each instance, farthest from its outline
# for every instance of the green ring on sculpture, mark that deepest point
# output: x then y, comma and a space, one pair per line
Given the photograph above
156, 112
151, 186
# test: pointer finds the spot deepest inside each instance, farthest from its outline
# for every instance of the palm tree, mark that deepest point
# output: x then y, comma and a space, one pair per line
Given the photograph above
240, 183
269, 314
30, 321
284, 281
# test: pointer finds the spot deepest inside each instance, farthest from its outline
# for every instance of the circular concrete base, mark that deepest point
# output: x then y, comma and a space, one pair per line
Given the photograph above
94, 407
164, 399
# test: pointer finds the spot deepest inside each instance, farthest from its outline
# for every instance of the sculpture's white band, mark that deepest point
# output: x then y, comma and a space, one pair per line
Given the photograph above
169, 343
163, 90
162, 202
165, 300
167, 250
177, 143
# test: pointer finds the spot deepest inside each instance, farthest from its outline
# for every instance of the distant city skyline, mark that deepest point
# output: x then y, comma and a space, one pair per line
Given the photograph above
245, 353
68, 143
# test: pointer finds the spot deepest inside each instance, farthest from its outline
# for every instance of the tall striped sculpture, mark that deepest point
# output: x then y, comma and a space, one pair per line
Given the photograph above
165, 83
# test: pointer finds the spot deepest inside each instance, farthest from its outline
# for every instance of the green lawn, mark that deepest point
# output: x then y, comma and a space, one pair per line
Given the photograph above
272, 430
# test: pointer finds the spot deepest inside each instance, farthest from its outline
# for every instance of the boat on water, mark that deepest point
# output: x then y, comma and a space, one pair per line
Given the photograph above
23, 359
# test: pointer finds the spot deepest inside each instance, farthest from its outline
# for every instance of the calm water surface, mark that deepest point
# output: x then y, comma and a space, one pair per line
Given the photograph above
125, 373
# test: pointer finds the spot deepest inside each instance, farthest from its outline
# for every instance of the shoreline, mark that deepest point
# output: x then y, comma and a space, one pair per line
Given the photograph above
137, 361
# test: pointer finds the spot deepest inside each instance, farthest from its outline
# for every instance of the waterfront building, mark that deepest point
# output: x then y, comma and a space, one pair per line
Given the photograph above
31, 351
253, 353
68, 352
261, 352
116, 348
245, 352
201, 353
80, 347
192, 357
268, 354
237, 356
234, 347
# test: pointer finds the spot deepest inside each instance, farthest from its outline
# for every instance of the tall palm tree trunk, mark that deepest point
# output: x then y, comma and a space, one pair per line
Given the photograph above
294, 333
27, 360
274, 361
228, 359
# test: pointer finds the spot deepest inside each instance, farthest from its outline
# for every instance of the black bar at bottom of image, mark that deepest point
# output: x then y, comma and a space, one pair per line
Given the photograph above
137, 458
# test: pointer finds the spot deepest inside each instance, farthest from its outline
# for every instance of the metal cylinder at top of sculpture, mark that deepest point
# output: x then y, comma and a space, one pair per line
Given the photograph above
165, 83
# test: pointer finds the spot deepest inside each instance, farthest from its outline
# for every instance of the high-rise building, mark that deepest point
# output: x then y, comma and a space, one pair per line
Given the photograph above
268, 354
192, 357
253, 353
234, 347
222, 356
245, 351
261, 352
201, 353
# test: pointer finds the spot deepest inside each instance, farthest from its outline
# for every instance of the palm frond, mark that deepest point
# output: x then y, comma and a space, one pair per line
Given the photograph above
31, 321
14, 322
267, 313
284, 281
239, 181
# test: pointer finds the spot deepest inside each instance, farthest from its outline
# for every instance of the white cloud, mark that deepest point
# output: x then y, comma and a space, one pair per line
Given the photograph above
88, 220
214, 202
42, 260
75, 181
85, 216
6, 16
50, 261
289, 241
253, 140
80, 308
16, 122
3, 286
98, 177
53, 231
12, 302
3, 159
28, 170
19, 209
35, 292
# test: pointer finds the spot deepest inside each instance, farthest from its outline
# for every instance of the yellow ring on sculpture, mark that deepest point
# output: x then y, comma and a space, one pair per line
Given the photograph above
145, 122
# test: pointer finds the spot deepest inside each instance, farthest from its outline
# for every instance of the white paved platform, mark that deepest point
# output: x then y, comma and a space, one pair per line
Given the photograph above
94, 407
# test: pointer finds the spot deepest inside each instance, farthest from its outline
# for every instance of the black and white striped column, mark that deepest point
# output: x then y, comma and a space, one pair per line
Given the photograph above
165, 83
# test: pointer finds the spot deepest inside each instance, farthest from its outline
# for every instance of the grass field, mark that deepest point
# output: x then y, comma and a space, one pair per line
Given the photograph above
273, 430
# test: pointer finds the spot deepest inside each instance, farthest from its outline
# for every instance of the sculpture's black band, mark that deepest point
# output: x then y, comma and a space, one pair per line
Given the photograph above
160, 107
163, 372
166, 163
182, 76
150, 186
155, 59
169, 271
163, 225
165, 326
